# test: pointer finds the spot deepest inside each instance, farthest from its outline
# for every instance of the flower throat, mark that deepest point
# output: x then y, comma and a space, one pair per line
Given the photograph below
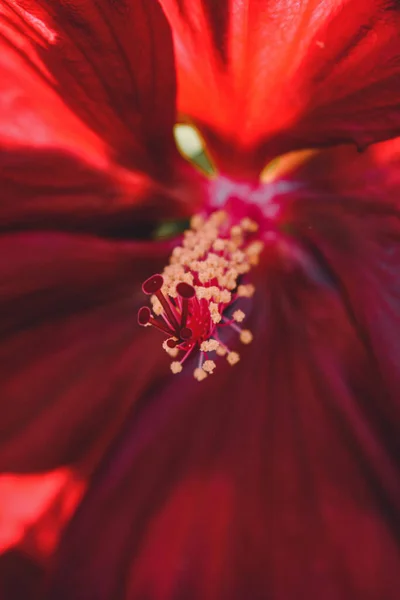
192, 298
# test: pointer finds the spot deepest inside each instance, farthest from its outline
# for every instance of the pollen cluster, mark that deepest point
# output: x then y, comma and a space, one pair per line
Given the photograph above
191, 298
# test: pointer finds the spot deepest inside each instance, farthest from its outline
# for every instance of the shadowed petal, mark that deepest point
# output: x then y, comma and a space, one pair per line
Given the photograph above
110, 62
286, 75
20, 577
73, 357
69, 288
277, 478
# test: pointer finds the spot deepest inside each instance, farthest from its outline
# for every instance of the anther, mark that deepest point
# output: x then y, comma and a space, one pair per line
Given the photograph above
209, 366
246, 337
238, 316
199, 374
176, 367
233, 358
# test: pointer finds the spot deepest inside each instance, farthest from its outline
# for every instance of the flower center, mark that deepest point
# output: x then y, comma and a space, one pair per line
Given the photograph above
192, 300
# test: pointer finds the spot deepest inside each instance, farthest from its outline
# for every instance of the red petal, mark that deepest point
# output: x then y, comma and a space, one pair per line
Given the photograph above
286, 75
373, 173
34, 508
73, 357
112, 64
277, 478
20, 577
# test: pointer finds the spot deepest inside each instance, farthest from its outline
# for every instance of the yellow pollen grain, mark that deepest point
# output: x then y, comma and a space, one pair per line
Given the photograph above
199, 374
196, 221
225, 296
209, 366
221, 350
176, 367
209, 346
218, 245
246, 291
238, 316
218, 217
173, 352
156, 306
233, 358
249, 225
236, 231
214, 312
246, 337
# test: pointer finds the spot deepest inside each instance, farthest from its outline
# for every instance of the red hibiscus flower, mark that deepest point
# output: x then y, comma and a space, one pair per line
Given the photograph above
266, 465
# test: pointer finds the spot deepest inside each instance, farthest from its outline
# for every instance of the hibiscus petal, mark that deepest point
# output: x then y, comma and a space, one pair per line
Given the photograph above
286, 75
56, 172
112, 63
277, 478
73, 358
20, 577
34, 508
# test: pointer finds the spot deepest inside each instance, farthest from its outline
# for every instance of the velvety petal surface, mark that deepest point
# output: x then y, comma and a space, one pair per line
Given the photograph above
110, 62
70, 272
277, 478
73, 356
20, 577
285, 75
54, 170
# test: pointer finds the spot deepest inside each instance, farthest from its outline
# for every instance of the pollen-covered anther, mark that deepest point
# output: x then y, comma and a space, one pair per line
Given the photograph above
216, 316
233, 358
249, 225
253, 252
219, 245
221, 350
209, 366
176, 367
225, 296
170, 349
246, 291
237, 235
238, 316
156, 305
197, 221
246, 337
199, 374
209, 346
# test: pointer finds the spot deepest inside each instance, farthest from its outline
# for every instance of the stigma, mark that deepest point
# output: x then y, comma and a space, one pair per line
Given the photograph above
196, 296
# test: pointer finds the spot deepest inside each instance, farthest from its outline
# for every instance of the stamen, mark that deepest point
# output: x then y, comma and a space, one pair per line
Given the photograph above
233, 358
190, 297
238, 316
246, 337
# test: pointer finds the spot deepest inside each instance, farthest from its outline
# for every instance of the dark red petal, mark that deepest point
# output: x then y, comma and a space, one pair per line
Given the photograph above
73, 358
111, 62
285, 75
277, 478
342, 170
20, 576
